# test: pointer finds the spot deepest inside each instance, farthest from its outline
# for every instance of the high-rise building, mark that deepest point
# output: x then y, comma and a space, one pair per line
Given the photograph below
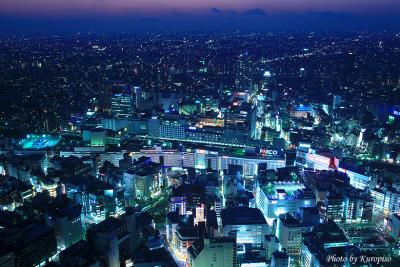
280, 259
185, 237
289, 231
247, 224
153, 127
67, 223
79, 254
358, 178
277, 198
218, 252
270, 245
386, 200
129, 185
253, 123
7, 258
333, 207
111, 239
144, 184
186, 198
392, 226
116, 124
98, 137
138, 96
131, 225
337, 99
324, 240
172, 221
250, 164
316, 159
121, 102
357, 207
99, 199
34, 245
172, 129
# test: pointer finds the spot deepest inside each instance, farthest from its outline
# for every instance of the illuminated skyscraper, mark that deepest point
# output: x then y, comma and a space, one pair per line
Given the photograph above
337, 99
121, 102
138, 96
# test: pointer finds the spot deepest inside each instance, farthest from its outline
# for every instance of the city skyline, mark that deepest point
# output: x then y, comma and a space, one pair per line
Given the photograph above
214, 133
60, 16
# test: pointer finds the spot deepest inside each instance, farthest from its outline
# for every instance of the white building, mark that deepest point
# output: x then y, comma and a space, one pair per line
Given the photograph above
289, 232
250, 165
357, 180
203, 159
271, 244
317, 160
386, 200
219, 252
247, 224
283, 197
67, 224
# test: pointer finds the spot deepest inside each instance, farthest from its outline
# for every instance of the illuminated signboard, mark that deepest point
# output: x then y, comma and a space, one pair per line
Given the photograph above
330, 162
268, 152
396, 112
318, 158
200, 151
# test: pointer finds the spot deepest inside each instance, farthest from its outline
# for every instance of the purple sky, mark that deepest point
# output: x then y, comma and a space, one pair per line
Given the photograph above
56, 16
166, 8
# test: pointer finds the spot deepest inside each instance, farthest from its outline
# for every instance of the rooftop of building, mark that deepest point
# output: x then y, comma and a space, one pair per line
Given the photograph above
29, 234
175, 218
39, 141
9, 184
330, 232
188, 189
352, 165
143, 218
288, 186
304, 217
289, 220
188, 232
88, 183
242, 216
10, 219
60, 209
79, 249
198, 246
108, 225
159, 255
325, 237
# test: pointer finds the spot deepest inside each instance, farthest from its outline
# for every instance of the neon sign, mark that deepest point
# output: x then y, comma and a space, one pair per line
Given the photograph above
268, 152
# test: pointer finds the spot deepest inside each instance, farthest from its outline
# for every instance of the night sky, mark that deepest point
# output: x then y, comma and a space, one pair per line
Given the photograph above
25, 16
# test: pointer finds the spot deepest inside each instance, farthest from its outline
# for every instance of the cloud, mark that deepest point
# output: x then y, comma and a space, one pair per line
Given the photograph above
216, 10
328, 13
255, 12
